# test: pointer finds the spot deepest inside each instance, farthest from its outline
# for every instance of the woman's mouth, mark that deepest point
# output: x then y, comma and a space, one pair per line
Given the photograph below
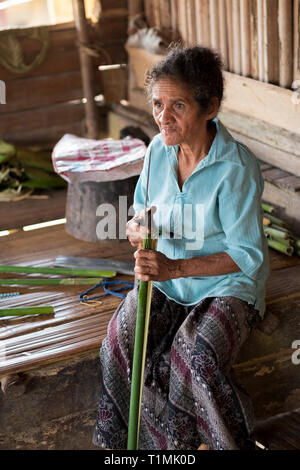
168, 130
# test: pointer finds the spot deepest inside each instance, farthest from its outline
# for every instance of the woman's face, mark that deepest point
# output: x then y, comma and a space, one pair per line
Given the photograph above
176, 112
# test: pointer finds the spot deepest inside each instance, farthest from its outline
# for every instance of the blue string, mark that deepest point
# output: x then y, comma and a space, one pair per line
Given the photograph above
105, 283
8, 294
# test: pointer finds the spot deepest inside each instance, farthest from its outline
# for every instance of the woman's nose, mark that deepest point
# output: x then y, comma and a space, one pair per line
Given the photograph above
165, 116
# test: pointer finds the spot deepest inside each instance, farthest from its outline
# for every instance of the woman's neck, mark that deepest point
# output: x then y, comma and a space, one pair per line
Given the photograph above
193, 152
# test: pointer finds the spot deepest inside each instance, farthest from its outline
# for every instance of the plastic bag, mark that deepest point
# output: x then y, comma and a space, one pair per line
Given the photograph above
77, 159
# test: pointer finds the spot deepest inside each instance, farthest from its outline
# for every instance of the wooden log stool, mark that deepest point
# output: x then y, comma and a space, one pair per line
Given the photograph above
83, 207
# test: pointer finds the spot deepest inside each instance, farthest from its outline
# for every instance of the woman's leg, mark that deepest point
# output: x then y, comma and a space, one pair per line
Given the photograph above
206, 406
116, 356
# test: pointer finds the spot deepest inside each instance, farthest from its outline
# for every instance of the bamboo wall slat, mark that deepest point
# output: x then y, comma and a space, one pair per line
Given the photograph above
223, 33
236, 31
182, 19
214, 24
245, 38
254, 37
285, 15
174, 16
165, 12
230, 34
157, 13
202, 17
191, 23
271, 41
296, 41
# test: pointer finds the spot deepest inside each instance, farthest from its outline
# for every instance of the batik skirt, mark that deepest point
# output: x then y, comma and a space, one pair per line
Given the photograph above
190, 396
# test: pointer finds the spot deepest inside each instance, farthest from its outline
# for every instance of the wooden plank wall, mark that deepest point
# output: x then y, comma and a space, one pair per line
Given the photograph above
254, 37
45, 103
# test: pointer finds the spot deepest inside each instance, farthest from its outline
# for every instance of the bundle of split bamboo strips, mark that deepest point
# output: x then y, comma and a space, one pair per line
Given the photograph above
278, 234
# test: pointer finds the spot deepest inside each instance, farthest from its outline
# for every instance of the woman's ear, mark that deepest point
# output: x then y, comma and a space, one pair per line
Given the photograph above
213, 108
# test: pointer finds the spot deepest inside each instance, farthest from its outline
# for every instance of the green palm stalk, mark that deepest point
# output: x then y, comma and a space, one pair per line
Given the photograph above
61, 271
139, 355
267, 208
281, 245
275, 233
275, 220
20, 311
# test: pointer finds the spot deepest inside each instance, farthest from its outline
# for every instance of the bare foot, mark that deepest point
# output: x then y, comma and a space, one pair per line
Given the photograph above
203, 447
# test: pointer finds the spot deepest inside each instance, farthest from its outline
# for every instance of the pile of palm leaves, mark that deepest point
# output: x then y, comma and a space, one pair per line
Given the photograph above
278, 233
23, 170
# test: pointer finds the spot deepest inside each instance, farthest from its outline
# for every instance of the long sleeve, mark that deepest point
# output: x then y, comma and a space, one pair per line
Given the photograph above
241, 218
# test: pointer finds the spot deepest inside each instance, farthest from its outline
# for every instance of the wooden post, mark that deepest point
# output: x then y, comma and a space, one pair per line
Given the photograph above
86, 67
285, 43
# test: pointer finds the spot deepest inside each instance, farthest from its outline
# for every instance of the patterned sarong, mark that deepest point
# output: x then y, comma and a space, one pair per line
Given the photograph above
190, 396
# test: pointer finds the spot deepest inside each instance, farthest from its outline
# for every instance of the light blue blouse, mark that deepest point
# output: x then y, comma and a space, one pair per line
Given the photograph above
218, 209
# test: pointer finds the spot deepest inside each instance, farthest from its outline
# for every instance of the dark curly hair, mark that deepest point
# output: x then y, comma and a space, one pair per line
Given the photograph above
200, 68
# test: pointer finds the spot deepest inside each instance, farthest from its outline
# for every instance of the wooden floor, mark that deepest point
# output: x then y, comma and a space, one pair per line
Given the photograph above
280, 432
75, 327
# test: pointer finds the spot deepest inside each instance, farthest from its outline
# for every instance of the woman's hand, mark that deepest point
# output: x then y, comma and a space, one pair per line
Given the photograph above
136, 232
152, 265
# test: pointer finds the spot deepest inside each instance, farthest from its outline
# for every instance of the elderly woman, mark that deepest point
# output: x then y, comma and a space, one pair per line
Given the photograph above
209, 272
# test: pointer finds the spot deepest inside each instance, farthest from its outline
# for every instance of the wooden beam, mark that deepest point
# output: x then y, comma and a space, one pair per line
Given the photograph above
285, 160
86, 66
263, 101
268, 134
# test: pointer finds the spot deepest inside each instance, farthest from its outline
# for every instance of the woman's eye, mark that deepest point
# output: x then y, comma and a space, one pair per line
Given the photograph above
157, 104
179, 105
